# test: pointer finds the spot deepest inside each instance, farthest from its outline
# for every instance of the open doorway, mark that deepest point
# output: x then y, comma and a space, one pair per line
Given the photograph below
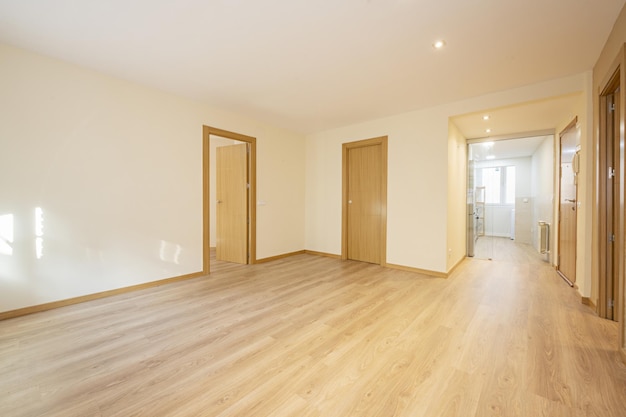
510, 191
229, 197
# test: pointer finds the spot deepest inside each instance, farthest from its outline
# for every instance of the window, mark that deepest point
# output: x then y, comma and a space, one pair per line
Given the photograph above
499, 183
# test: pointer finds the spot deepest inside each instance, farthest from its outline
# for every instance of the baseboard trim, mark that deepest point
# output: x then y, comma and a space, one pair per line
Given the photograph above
327, 255
435, 274
391, 266
587, 301
277, 257
455, 266
89, 297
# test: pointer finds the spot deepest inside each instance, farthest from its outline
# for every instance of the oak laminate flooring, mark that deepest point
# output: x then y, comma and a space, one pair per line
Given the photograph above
315, 336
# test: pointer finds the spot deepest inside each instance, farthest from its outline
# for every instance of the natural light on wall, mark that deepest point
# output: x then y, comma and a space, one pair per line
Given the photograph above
170, 252
6, 234
38, 232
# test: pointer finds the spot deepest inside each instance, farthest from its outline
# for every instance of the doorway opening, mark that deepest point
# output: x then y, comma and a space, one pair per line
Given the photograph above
229, 197
508, 194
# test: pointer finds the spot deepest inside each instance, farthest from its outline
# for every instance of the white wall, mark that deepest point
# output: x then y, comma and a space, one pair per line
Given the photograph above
117, 170
543, 190
418, 209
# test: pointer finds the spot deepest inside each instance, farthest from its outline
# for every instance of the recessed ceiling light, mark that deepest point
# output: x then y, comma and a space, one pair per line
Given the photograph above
439, 44
486, 117
488, 130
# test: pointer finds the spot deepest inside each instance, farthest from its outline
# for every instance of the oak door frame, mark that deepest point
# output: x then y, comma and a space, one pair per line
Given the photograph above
378, 141
610, 204
207, 131
615, 75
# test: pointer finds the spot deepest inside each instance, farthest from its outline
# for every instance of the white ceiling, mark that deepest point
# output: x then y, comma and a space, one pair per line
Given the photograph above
313, 65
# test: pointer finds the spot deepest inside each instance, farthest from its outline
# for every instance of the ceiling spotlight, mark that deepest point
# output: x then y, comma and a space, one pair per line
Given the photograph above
439, 44
486, 117
488, 130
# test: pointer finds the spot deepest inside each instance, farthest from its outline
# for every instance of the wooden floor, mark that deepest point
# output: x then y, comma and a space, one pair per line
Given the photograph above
313, 336
503, 249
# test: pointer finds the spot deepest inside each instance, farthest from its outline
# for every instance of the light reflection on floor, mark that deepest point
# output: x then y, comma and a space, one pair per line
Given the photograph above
503, 249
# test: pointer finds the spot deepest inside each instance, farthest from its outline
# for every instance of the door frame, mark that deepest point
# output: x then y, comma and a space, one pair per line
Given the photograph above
570, 126
207, 131
378, 141
616, 73
610, 204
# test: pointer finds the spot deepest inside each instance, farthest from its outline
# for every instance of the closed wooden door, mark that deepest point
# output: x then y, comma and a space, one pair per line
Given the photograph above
568, 203
610, 189
232, 203
365, 205
611, 279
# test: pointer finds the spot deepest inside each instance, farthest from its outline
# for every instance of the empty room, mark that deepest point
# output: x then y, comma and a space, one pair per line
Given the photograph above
359, 208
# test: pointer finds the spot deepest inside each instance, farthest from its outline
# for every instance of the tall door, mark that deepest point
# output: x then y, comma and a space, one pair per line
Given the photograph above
617, 132
365, 208
567, 205
231, 191
612, 276
610, 188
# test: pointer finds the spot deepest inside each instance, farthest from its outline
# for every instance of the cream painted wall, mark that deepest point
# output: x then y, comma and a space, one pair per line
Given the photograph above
419, 214
117, 170
457, 197
416, 189
280, 192
585, 225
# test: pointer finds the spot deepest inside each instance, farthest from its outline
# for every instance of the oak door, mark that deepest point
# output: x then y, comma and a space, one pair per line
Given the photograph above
232, 203
365, 208
567, 205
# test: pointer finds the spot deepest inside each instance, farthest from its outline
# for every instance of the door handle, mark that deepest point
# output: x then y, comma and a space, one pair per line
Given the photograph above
218, 201
570, 201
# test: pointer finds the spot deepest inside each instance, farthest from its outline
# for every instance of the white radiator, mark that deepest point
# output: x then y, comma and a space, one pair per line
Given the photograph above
544, 237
